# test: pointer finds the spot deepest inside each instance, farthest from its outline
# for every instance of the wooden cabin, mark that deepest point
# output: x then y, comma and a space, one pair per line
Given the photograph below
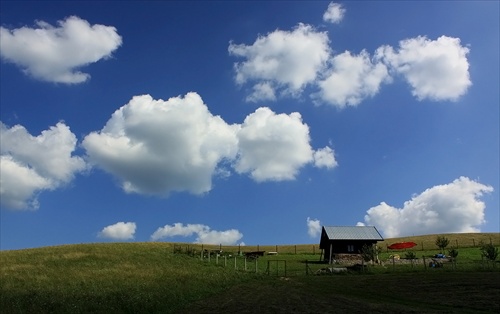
346, 240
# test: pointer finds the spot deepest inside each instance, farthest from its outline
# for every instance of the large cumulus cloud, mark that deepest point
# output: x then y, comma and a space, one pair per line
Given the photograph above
158, 147
447, 208
30, 164
55, 54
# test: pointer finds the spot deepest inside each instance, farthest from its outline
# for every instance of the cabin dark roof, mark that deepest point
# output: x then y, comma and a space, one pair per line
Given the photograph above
353, 233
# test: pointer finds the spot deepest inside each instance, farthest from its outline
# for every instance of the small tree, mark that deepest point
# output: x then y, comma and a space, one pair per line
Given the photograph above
442, 242
411, 256
453, 253
489, 251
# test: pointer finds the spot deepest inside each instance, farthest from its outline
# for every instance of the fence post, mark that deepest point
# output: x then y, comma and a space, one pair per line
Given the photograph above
235, 267
245, 263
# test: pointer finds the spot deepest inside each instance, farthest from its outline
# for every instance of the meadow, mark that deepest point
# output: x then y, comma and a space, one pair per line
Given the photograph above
177, 278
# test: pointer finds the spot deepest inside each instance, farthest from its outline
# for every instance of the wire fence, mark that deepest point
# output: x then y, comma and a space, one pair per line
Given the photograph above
289, 265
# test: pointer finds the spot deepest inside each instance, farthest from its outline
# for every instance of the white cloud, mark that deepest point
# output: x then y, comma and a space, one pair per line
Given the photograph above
119, 231
157, 146
435, 69
53, 53
351, 79
203, 234
448, 208
313, 227
325, 157
283, 63
286, 60
262, 91
334, 13
31, 164
273, 146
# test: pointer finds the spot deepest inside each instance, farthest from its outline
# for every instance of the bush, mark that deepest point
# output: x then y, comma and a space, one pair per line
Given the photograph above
489, 251
453, 253
369, 252
410, 255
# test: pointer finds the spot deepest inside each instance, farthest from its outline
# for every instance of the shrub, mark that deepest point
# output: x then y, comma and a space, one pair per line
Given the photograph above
369, 252
453, 253
410, 255
489, 251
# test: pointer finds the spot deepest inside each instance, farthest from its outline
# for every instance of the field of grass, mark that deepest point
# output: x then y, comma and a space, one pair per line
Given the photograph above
150, 277
114, 278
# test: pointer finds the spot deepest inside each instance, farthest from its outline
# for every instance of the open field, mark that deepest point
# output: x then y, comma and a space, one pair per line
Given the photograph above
475, 292
149, 277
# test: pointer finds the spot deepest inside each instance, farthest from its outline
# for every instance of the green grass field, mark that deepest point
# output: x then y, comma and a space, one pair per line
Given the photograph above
151, 278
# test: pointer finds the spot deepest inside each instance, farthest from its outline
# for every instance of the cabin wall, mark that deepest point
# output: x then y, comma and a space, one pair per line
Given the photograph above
344, 247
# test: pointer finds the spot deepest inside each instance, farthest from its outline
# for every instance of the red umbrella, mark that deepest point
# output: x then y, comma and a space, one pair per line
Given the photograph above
401, 245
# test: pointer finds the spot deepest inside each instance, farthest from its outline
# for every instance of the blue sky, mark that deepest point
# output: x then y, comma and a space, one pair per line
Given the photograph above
246, 122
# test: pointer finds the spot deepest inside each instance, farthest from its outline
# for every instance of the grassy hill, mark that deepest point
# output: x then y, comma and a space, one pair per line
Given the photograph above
149, 277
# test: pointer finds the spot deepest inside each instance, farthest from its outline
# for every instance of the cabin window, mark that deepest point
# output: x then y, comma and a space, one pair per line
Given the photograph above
350, 248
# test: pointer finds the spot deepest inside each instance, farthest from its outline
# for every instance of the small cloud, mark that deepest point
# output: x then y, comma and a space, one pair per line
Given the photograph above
203, 234
262, 91
119, 231
313, 227
334, 13
54, 54
360, 224
273, 146
351, 79
325, 157
450, 208
284, 61
435, 69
